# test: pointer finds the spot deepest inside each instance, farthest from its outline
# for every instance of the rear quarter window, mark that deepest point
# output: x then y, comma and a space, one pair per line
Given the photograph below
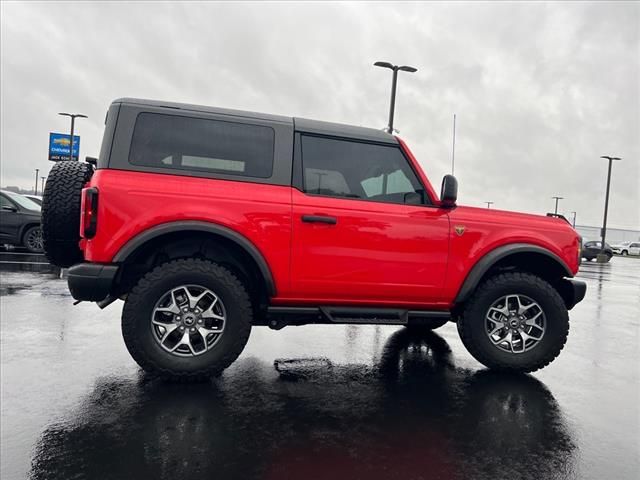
204, 145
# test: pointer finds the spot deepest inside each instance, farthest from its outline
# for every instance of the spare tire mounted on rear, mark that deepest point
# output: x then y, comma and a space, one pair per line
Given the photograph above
61, 212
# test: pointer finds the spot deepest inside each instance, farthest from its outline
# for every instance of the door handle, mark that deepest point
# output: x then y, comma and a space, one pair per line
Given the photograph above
319, 219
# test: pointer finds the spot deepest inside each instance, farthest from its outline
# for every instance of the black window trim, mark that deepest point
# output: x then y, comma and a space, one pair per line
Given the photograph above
203, 173
297, 177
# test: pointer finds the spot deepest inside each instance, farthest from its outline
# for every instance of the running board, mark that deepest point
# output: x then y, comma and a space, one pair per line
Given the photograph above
279, 317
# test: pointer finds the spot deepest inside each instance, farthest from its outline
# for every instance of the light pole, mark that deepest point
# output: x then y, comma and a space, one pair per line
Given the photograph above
43, 179
574, 219
73, 118
489, 204
602, 258
36, 189
395, 68
557, 198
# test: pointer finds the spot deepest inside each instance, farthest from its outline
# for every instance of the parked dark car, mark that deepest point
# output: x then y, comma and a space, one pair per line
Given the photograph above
20, 221
590, 250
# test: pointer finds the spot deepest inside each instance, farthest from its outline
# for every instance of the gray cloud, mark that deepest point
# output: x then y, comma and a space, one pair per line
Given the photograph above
540, 90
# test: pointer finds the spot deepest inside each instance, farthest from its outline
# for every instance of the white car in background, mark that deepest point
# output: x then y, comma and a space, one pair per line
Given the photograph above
35, 198
626, 248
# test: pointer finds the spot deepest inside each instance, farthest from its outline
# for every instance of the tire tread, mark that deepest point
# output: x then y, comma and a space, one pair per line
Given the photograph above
496, 282
137, 295
61, 212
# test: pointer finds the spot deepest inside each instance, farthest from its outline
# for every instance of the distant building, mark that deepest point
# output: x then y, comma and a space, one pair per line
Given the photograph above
614, 235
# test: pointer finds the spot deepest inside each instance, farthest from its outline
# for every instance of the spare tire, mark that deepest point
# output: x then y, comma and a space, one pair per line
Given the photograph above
61, 212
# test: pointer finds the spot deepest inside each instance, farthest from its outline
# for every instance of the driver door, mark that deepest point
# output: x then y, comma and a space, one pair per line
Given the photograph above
363, 226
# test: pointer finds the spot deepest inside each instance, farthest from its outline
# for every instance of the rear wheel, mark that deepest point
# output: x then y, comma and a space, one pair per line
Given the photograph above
624, 253
32, 239
516, 322
187, 320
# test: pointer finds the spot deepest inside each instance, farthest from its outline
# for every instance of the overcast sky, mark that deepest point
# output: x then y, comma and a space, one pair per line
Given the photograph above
540, 90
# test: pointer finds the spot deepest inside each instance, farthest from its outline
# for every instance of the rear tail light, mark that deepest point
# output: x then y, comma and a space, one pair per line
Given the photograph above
89, 223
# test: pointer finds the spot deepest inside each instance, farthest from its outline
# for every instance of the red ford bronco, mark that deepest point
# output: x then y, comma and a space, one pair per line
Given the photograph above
207, 222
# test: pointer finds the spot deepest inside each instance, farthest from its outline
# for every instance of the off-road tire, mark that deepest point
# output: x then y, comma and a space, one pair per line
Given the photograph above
427, 324
61, 212
471, 325
138, 308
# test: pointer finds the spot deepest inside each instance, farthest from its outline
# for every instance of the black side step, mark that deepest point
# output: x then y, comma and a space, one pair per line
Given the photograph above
379, 316
282, 316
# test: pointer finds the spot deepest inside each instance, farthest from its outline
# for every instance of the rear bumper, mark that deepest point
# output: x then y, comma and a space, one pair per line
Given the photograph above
91, 281
572, 291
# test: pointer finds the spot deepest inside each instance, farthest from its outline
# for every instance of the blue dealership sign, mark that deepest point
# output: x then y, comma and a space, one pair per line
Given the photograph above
59, 145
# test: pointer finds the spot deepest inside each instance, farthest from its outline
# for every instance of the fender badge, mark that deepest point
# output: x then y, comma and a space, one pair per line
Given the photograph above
459, 229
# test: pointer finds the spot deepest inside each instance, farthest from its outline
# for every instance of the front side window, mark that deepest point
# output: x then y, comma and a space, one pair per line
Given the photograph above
350, 169
198, 144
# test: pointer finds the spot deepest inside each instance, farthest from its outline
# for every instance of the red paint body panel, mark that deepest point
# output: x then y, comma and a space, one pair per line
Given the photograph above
377, 254
133, 202
486, 230
387, 252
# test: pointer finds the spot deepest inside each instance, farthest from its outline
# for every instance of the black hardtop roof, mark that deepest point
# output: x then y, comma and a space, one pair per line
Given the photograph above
300, 124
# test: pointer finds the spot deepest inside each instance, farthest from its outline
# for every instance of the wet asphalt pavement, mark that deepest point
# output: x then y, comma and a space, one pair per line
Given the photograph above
318, 402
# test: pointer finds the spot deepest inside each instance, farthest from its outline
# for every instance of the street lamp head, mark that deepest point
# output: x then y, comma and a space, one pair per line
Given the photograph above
73, 115
383, 64
610, 158
407, 68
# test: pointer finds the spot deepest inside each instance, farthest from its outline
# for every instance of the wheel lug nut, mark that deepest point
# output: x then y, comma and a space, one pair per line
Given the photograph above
192, 329
181, 329
199, 321
178, 317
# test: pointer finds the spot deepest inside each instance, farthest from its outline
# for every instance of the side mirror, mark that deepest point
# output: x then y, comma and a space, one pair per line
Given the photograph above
413, 198
449, 191
9, 208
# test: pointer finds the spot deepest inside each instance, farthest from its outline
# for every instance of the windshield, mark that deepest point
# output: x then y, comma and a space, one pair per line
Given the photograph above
24, 202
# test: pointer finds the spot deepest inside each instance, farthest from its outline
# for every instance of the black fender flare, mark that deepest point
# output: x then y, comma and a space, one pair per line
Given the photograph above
494, 256
178, 226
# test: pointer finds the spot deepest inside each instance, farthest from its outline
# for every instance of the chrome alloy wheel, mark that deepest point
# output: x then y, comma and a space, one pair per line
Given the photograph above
188, 320
515, 323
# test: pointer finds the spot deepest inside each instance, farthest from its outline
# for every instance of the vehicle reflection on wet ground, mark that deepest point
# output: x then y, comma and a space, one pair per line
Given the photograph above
325, 402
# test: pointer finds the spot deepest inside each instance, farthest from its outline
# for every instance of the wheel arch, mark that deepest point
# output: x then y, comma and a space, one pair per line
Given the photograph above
203, 234
525, 257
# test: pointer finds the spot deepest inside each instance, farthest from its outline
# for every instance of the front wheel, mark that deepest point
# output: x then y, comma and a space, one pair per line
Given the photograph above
187, 320
625, 253
516, 322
